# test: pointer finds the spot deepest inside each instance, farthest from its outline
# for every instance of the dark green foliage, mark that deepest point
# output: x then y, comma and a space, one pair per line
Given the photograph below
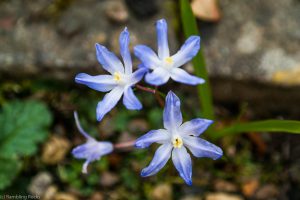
22, 126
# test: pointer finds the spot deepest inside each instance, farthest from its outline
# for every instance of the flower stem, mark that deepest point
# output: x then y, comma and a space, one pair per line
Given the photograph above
157, 94
124, 145
146, 89
159, 99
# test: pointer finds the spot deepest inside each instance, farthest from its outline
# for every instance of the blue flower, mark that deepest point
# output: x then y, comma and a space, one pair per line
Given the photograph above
92, 150
175, 138
165, 66
120, 80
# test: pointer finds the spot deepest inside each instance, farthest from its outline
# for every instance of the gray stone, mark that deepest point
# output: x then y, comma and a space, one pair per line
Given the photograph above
40, 183
250, 39
116, 11
57, 41
254, 40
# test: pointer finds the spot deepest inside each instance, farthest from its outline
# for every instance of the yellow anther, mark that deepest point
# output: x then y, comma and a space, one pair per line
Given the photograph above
117, 76
177, 142
169, 60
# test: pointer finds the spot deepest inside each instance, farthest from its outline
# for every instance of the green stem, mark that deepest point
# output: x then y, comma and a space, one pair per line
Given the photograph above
190, 28
289, 126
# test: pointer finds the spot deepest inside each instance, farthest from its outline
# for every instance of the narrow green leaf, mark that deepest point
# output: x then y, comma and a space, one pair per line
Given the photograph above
289, 126
9, 169
22, 126
190, 28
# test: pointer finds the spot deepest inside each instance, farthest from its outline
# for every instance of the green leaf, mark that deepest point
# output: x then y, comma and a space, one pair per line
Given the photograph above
289, 126
190, 28
22, 126
9, 169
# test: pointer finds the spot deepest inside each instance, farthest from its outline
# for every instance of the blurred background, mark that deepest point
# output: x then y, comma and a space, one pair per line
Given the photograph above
252, 50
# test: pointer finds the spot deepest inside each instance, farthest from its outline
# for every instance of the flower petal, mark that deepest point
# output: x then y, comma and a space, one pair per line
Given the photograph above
85, 166
82, 151
182, 76
195, 127
80, 129
172, 114
162, 39
109, 101
102, 83
105, 148
108, 60
124, 49
158, 76
161, 157
92, 150
159, 136
183, 163
146, 56
137, 75
130, 100
202, 148
187, 51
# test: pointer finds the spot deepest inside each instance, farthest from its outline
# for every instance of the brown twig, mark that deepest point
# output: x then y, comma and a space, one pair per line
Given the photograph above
146, 89
124, 145
159, 99
154, 92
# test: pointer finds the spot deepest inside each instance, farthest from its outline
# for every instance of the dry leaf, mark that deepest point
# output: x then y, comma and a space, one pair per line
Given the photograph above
206, 10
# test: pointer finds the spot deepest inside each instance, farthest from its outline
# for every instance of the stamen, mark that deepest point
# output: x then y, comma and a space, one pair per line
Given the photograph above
169, 60
177, 142
117, 76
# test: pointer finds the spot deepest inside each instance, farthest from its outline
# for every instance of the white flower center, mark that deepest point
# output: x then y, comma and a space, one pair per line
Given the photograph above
117, 76
120, 78
168, 63
177, 142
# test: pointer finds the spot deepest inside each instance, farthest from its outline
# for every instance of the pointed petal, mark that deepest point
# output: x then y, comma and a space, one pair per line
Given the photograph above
187, 51
161, 157
172, 114
195, 127
146, 56
82, 151
80, 129
102, 83
124, 49
130, 100
162, 39
202, 148
84, 167
183, 163
108, 60
159, 136
104, 148
158, 76
138, 75
109, 101
182, 76
92, 150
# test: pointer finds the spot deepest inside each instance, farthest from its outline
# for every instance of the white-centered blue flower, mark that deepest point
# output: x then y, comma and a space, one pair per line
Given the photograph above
163, 65
120, 80
92, 150
175, 138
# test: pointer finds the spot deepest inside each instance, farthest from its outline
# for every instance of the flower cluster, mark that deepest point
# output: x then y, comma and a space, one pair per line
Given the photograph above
176, 137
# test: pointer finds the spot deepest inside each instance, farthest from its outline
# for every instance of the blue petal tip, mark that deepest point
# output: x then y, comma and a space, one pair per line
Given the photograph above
189, 182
